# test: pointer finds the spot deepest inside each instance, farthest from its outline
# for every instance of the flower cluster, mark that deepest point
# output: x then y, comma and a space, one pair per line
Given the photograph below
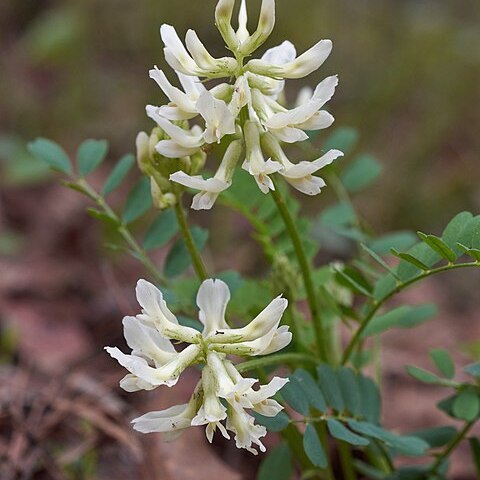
222, 394
248, 111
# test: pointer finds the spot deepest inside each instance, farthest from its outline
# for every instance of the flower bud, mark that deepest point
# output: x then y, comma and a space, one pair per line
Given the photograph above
161, 200
223, 21
265, 26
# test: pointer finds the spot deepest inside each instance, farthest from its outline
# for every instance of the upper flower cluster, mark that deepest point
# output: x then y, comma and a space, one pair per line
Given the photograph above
154, 361
248, 109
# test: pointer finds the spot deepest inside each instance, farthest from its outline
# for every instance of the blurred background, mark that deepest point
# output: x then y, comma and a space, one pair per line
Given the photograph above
409, 83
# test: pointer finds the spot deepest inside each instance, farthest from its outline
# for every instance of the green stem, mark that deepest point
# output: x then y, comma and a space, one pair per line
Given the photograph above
321, 339
322, 432
275, 359
346, 460
197, 261
376, 306
139, 252
452, 446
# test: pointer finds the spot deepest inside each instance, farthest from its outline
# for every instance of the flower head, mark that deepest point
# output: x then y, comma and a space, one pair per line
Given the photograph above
154, 361
245, 105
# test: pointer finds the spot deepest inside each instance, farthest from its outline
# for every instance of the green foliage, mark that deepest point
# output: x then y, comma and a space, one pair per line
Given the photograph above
162, 230
139, 201
91, 154
443, 361
273, 424
277, 464
118, 174
313, 447
52, 154
340, 432
361, 173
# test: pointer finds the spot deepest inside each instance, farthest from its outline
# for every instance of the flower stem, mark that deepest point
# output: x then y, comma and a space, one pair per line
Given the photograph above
452, 446
306, 273
346, 460
197, 261
275, 359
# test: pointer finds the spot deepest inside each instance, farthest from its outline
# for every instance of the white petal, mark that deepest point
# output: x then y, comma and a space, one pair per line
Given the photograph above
212, 299
171, 419
192, 85
176, 51
184, 138
219, 120
318, 121
281, 54
280, 340
309, 185
242, 32
204, 201
289, 134
197, 182
309, 61
174, 113
171, 149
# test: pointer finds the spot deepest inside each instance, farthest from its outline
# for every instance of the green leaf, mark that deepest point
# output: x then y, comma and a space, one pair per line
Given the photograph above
473, 369
350, 389
439, 246
436, 437
353, 283
313, 447
371, 401
454, 231
139, 201
467, 405
178, 259
118, 174
443, 361
400, 241
363, 171
343, 138
405, 445
162, 230
103, 217
338, 215
330, 386
410, 259
471, 252
340, 432
423, 375
294, 395
423, 254
52, 154
378, 259
277, 465
90, 155
311, 390
273, 424
402, 317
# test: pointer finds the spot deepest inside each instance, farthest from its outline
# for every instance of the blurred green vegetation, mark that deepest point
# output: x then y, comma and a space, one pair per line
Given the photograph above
409, 71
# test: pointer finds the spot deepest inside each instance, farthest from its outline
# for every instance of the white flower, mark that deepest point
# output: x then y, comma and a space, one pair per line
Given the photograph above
154, 361
299, 175
248, 103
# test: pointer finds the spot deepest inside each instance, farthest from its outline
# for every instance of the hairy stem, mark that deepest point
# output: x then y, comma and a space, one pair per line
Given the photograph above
313, 303
197, 261
376, 306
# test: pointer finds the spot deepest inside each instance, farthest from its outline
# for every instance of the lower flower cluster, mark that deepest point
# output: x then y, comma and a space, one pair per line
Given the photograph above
222, 394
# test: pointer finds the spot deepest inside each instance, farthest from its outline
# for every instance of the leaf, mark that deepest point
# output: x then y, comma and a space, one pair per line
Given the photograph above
471, 252
378, 259
405, 445
90, 155
467, 405
439, 246
294, 395
363, 171
338, 215
340, 432
311, 390
443, 361
423, 375
139, 201
313, 447
354, 283
402, 317
277, 465
329, 384
473, 369
162, 230
103, 217
454, 231
273, 424
401, 241
52, 154
350, 389
343, 138
118, 174
437, 436
178, 259
407, 257
371, 401
424, 254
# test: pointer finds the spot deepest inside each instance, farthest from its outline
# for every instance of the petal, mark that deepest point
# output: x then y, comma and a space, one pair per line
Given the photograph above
212, 299
204, 201
191, 84
171, 149
183, 137
242, 32
289, 134
177, 51
197, 182
218, 118
174, 94
145, 340
280, 340
168, 420
308, 185
309, 61
281, 54
318, 121
174, 113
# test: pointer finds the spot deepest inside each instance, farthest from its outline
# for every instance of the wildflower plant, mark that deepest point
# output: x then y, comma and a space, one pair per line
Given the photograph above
323, 404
